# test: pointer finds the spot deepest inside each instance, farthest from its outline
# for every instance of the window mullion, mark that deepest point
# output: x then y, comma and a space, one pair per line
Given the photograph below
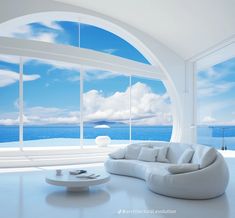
130, 115
21, 104
81, 107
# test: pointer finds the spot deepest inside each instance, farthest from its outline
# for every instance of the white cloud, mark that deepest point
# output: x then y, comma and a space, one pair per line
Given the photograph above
212, 83
10, 59
26, 32
208, 120
148, 108
11, 30
9, 122
110, 50
50, 115
207, 88
51, 24
9, 77
99, 75
216, 109
44, 37
55, 64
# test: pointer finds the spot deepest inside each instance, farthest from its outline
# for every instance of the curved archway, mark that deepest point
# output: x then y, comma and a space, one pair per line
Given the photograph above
131, 35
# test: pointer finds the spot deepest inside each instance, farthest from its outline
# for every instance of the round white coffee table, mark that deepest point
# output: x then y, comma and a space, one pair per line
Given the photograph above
74, 183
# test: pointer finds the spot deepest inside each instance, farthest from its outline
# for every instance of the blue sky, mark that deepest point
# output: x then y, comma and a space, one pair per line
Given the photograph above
216, 98
52, 89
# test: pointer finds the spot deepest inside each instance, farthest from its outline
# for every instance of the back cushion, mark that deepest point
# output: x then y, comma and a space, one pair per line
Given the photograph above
176, 150
162, 153
186, 156
118, 154
133, 150
204, 155
148, 154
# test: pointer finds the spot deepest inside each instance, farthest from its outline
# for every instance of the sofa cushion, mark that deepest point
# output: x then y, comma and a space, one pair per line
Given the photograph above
186, 156
133, 150
118, 154
162, 153
148, 154
176, 150
204, 156
182, 168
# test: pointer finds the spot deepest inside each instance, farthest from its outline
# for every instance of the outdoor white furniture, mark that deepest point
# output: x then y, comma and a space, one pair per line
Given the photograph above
77, 183
208, 180
102, 141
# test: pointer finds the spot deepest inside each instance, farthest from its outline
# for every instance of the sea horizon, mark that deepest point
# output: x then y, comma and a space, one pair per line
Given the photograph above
211, 135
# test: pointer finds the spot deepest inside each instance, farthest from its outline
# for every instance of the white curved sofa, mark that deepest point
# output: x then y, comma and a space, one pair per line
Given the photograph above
208, 181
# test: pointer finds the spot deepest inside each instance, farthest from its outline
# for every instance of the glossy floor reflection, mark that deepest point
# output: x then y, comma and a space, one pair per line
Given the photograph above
26, 195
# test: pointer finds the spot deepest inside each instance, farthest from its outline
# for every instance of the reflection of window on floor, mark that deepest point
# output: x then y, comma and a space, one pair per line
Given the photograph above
216, 103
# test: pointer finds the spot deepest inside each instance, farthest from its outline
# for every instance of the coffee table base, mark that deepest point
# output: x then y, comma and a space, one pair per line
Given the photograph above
78, 189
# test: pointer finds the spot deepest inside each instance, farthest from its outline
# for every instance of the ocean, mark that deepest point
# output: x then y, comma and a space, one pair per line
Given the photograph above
208, 135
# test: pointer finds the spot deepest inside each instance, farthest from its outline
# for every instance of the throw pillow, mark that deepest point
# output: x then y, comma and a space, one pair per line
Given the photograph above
183, 168
148, 154
161, 157
186, 156
132, 152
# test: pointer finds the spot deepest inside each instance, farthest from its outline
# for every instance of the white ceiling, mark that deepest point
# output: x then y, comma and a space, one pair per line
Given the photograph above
188, 27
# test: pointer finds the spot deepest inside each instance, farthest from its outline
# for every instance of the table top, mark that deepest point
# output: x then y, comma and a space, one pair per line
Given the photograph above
74, 181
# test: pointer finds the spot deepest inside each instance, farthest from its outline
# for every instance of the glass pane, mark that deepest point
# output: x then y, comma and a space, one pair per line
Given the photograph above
216, 103
104, 41
106, 108
150, 110
9, 97
51, 103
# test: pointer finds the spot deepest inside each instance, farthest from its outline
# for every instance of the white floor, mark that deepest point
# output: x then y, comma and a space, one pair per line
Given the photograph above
26, 195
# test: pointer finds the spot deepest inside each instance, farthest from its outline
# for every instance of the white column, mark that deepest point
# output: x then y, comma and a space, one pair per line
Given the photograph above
190, 105
21, 103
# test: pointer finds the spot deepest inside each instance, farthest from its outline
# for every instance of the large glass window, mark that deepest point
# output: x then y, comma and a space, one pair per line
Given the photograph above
150, 110
9, 98
216, 103
117, 106
106, 107
51, 100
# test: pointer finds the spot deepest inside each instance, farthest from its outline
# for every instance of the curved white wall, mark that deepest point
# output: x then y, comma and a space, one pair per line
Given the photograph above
157, 54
